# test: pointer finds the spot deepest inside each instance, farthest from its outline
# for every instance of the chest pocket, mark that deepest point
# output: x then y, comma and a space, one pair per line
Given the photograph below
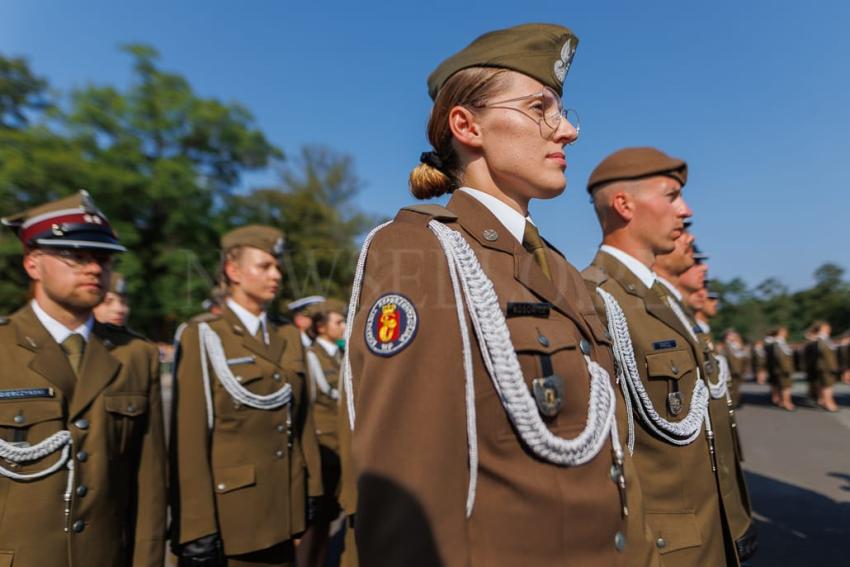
670, 365
128, 418
30, 421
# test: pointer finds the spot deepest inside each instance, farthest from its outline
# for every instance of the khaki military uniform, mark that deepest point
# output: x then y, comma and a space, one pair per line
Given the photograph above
410, 445
821, 363
680, 490
780, 365
116, 513
347, 483
325, 407
248, 478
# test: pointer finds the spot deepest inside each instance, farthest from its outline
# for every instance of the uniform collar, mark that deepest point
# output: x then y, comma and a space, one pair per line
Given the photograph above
644, 274
328, 346
511, 219
706, 328
250, 321
305, 339
57, 330
676, 293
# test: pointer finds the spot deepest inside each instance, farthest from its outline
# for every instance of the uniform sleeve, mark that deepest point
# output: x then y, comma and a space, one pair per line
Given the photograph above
193, 500
409, 440
149, 546
295, 359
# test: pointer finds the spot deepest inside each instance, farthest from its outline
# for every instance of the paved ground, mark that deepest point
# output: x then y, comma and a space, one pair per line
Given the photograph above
798, 467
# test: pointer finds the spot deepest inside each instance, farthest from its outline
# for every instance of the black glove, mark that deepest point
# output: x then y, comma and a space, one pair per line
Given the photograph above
313, 503
204, 552
748, 544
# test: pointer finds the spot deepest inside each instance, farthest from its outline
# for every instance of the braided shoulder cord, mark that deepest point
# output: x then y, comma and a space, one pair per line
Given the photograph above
721, 388
503, 366
10, 452
318, 380
717, 390
210, 344
682, 432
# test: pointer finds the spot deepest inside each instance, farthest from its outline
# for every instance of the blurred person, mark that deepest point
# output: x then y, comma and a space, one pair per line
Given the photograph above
115, 307
780, 367
83, 471
300, 309
324, 358
245, 459
822, 365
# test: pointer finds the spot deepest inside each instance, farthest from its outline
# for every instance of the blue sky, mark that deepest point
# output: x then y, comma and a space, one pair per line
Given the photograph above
753, 94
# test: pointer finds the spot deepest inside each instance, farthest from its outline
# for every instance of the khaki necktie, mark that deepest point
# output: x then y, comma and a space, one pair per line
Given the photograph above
532, 242
74, 347
260, 335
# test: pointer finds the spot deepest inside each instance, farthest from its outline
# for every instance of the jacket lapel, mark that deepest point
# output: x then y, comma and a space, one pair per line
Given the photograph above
478, 221
49, 360
98, 369
271, 352
655, 305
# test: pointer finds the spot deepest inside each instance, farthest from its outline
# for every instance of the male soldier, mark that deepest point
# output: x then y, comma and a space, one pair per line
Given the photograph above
302, 317
115, 307
83, 470
245, 453
738, 358
686, 299
708, 311
637, 196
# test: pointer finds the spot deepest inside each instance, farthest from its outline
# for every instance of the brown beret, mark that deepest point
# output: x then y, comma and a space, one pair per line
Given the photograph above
637, 163
541, 51
266, 238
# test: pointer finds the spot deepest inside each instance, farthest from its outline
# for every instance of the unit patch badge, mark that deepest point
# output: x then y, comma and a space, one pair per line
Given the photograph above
391, 324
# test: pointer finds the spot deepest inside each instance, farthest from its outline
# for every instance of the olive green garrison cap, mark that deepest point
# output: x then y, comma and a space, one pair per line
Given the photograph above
541, 51
266, 238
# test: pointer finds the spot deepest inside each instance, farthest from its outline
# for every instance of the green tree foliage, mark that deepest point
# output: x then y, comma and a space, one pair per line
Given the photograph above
753, 312
165, 165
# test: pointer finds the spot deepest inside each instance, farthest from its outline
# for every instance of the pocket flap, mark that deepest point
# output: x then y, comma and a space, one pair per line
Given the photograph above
232, 478
25, 413
528, 335
126, 404
674, 531
670, 364
247, 374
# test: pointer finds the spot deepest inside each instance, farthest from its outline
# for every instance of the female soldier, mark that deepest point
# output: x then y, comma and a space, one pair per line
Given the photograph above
324, 355
480, 394
780, 367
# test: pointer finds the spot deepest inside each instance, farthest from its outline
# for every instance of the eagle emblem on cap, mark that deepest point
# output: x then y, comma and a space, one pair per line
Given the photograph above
562, 65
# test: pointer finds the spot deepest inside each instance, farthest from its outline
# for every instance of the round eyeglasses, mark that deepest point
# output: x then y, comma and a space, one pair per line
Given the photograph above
545, 108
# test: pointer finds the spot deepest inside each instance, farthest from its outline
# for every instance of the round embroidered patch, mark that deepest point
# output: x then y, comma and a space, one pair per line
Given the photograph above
391, 324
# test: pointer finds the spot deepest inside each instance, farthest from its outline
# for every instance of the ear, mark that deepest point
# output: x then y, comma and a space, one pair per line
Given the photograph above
464, 126
232, 270
623, 203
31, 265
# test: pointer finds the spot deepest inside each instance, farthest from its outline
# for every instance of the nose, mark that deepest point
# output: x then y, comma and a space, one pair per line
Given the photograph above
566, 133
686, 211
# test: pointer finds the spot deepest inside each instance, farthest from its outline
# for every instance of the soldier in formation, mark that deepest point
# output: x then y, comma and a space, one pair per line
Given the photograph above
82, 476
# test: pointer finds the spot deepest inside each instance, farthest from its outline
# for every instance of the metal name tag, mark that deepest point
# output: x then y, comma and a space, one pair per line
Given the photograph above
549, 394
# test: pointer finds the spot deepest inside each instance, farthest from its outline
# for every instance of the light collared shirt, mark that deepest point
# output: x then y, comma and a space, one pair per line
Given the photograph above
706, 328
328, 346
643, 273
676, 293
510, 218
305, 339
57, 330
251, 322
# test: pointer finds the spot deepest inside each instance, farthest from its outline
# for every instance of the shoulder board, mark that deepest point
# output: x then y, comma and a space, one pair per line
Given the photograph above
437, 212
204, 318
594, 274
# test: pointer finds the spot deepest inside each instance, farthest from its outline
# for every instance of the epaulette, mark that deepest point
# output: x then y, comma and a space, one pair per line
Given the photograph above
204, 318
594, 274
437, 212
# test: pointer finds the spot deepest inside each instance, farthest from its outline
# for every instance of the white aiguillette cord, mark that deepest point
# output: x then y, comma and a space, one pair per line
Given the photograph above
682, 432
470, 281
210, 344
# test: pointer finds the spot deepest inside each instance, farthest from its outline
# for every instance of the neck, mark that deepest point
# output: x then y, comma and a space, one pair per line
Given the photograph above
667, 275
247, 301
624, 241
68, 316
478, 177
700, 316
